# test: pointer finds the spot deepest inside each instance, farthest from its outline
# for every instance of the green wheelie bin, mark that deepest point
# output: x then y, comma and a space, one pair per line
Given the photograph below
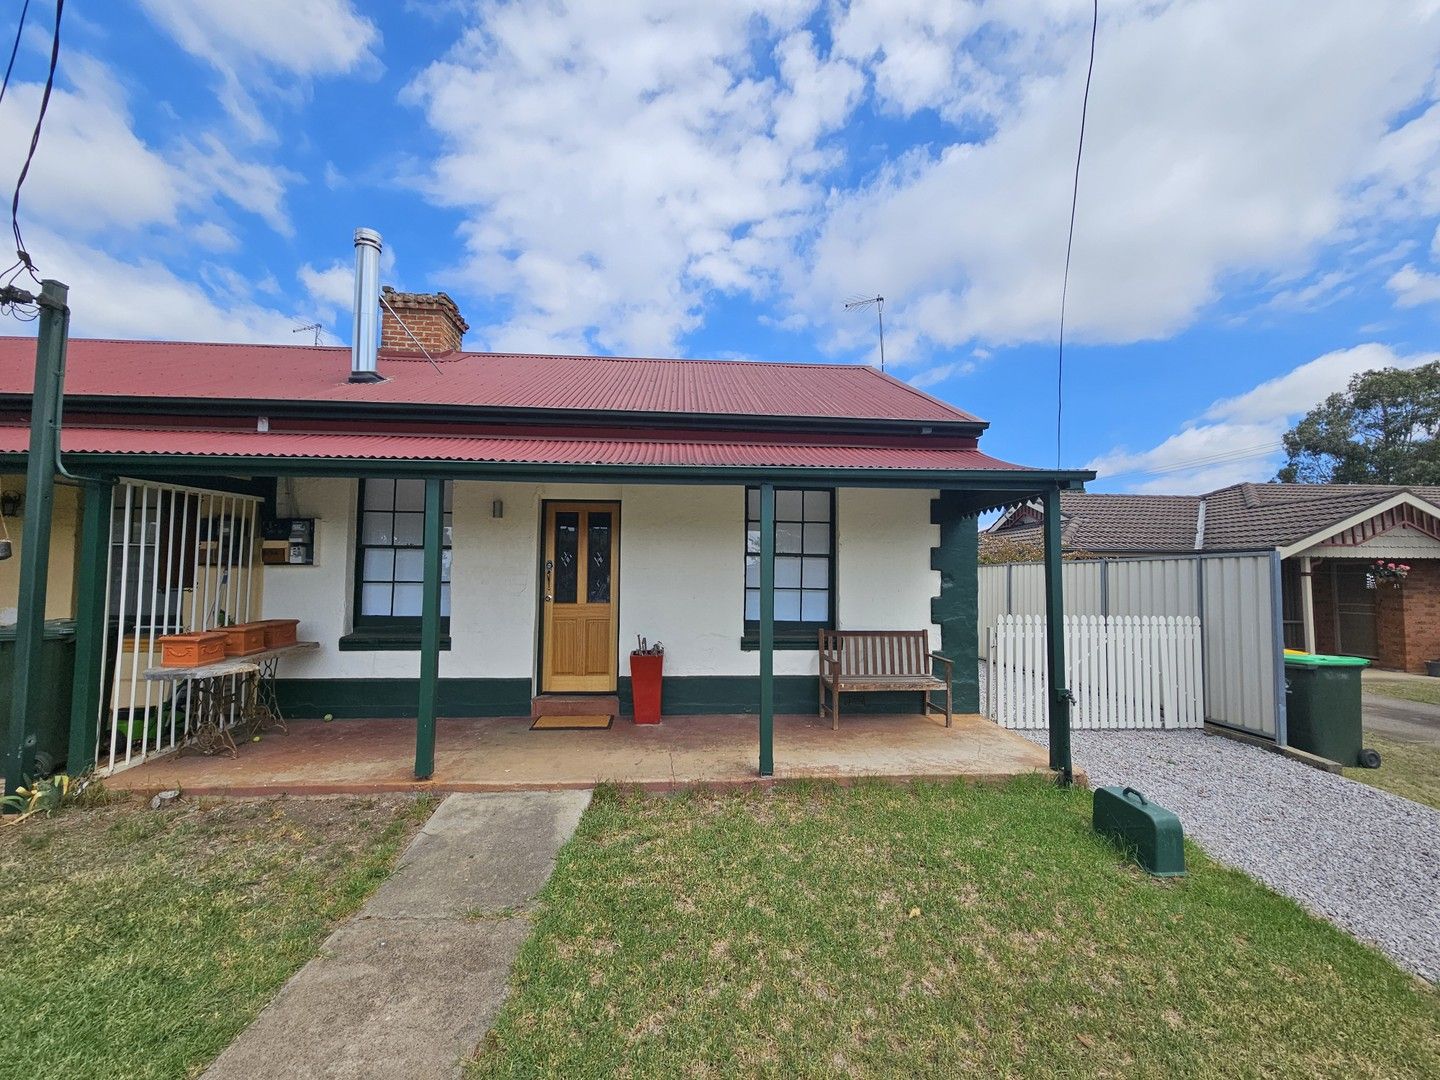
47, 734
1322, 707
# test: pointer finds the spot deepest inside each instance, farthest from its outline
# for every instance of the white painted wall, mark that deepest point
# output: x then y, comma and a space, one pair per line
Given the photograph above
681, 576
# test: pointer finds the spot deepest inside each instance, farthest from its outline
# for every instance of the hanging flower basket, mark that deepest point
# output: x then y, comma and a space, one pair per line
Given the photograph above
1386, 572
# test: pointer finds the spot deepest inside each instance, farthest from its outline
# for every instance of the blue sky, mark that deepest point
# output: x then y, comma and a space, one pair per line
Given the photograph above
1258, 207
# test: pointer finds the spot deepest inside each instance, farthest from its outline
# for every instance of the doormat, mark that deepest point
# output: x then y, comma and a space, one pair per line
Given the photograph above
590, 722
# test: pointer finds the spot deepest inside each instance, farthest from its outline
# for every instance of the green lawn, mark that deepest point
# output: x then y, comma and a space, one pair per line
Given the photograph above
1427, 691
926, 931
137, 943
1409, 769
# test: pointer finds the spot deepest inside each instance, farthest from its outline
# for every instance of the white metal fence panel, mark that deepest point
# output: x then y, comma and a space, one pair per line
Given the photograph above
1235, 596
181, 559
1125, 672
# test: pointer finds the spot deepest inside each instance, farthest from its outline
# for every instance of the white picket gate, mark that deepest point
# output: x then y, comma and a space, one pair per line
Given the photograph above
1125, 671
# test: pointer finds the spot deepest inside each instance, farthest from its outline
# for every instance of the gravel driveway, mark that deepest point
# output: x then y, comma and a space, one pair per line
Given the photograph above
1366, 860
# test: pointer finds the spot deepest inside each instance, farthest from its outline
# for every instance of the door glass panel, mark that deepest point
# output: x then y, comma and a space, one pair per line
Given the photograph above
787, 573
788, 505
379, 564
814, 605
817, 539
816, 574
409, 530
379, 494
567, 554
377, 528
597, 590
787, 537
752, 605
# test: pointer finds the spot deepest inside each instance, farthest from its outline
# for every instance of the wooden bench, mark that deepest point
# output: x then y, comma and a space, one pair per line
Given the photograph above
854, 661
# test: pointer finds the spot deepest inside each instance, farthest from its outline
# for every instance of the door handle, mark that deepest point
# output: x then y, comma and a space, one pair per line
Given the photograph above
549, 573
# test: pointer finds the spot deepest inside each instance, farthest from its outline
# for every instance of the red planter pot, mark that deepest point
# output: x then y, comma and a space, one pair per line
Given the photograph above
645, 679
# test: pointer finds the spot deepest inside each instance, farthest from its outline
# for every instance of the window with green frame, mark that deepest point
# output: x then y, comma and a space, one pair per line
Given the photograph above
390, 556
804, 565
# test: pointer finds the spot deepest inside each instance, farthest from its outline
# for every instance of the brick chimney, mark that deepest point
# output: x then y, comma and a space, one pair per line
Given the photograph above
432, 317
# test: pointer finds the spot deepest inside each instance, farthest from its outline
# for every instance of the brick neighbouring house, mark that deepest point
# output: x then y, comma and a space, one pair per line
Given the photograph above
1328, 537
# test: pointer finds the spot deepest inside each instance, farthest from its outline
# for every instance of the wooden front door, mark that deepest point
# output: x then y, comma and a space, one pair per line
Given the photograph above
579, 600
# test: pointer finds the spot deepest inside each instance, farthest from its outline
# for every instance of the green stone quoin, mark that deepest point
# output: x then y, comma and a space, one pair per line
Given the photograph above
956, 609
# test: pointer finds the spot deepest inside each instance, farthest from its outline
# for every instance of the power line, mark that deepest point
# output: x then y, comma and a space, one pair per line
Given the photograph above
14, 49
1242, 453
23, 260
1070, 239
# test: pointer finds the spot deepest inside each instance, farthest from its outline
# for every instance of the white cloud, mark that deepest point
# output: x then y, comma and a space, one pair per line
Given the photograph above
1212, 149
249, 42
1238, 438
142, 298
331, 290
616, 162
1414, 287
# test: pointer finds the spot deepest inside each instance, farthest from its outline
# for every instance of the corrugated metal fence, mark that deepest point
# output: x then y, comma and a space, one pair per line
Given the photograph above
1235, 596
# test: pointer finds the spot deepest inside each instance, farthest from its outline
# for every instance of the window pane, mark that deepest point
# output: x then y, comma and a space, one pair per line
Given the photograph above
597, 588
379, 494
787, 537
567, 553
409, 530
377, 529
410, 564
814, 605
408, 599
787, 605
444, 601
752, 539
752, 571
815, 574
375, 599
817, 539
752, 504
446, 558
787, 573
752, 605
379, 564
410, 495
449, 495
788, 505
817, 506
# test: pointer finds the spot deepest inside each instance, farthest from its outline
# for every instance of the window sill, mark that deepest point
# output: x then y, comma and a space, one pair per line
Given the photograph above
386, 641
783, 642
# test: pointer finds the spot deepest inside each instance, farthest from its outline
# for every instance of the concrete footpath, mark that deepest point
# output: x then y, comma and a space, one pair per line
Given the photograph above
409, 986
1405, 721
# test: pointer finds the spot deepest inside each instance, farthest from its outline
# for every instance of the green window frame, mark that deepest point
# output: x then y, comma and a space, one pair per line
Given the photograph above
805, 558
389, 563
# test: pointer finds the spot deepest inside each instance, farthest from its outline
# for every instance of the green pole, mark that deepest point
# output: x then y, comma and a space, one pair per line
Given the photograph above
35, 533
767, 629
91, 575
430, 630
1055, 641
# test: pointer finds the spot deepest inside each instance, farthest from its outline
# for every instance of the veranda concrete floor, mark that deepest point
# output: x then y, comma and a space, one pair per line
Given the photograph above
502, 754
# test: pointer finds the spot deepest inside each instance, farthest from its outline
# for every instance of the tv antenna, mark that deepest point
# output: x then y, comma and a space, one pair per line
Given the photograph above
317, 328
859, 303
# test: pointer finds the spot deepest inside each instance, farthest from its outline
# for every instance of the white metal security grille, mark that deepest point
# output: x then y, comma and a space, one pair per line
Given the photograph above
1125, 671
181, 559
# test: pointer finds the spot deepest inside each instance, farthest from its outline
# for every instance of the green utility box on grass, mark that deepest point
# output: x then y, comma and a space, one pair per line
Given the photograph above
48, 730
1150, 832
1322, 707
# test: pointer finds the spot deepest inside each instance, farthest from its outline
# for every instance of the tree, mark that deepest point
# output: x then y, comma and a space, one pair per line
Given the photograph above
1380, 430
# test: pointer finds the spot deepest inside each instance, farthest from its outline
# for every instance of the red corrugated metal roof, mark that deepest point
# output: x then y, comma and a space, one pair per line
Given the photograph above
503, 380
502, 449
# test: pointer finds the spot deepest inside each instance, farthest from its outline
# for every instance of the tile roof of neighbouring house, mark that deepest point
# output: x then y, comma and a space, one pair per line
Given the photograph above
1117, 523
298, 373
1236, 518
